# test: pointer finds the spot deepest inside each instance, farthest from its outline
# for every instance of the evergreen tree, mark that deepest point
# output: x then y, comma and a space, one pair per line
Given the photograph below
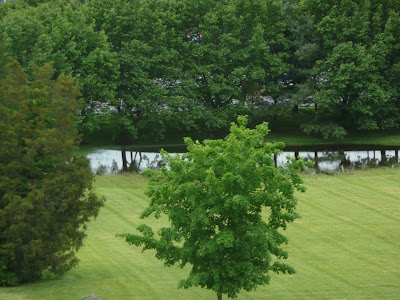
46, 196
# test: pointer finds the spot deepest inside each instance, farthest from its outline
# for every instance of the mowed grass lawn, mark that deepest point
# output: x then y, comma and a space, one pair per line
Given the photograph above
345, 246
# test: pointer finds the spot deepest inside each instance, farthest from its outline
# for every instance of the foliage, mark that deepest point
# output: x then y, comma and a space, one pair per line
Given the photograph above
6, 278
45, 191
213, 196
234, 54
60, 32
300, 81
191, 64
3, 61
360, 66
326, 130
148, 92
239, 52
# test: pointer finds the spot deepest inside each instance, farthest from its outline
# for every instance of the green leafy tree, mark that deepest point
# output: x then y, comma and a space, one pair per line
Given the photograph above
61, 32
46, 196
145, 41
235, 56
300, 81
191, 64
360, 63
3, 61
227, 204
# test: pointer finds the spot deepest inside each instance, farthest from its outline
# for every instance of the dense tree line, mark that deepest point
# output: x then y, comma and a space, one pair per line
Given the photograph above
358, 60
196, 64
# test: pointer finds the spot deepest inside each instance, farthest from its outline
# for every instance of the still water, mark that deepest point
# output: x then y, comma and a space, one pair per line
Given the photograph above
105, 161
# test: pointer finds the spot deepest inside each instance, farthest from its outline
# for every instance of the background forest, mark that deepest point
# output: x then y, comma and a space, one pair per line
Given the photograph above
146, 68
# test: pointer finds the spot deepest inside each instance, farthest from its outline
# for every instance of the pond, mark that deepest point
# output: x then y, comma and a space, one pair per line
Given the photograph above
330, 161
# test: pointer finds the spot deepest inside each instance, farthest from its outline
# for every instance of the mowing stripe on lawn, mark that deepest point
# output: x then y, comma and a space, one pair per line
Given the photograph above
346, 245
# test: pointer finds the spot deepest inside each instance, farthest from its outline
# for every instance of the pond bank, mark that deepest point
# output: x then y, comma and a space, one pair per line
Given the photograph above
353, 139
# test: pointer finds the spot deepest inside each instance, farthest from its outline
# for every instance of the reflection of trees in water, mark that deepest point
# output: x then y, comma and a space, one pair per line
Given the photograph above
372, 161
155, 164
345, 161
114, 167
139, 162
103, 169
364, 162
324, 161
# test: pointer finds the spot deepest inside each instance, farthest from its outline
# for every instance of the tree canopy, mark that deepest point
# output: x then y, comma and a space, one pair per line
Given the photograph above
61, 32
227, 204
359, 65
192, 66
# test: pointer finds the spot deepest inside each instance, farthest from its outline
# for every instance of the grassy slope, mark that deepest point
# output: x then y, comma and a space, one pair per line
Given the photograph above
287, 129
345, 245
297, 138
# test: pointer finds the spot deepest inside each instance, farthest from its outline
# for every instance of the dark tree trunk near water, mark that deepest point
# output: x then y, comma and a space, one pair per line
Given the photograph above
124, 161
383, 156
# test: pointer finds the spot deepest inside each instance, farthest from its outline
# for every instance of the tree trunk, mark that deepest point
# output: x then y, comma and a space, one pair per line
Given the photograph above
383, 156
296, 108
219, 294
275, 117
124, 161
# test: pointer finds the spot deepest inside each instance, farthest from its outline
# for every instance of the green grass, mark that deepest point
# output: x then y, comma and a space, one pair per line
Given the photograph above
345, 246
297, 138
287, 129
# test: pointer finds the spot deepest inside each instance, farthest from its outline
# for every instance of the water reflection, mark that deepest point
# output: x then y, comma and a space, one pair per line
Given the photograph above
117, 161
331, 162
